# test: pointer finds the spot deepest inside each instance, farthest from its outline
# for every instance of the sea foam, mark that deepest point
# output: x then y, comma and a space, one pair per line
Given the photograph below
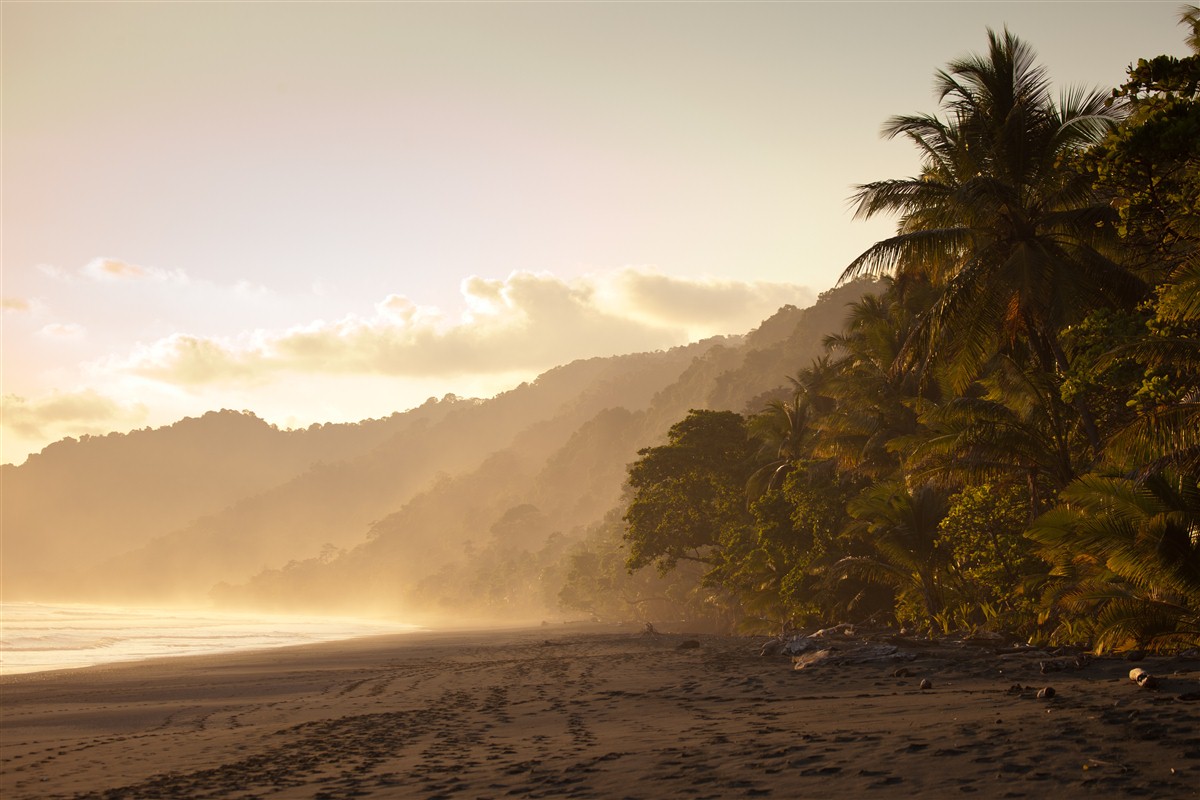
35, 637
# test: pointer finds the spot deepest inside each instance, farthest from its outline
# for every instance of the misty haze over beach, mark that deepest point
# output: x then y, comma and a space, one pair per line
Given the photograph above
459, 509
40, 637
599, 400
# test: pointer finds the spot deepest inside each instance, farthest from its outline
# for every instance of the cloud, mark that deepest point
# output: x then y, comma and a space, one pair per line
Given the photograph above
67, 413
29, 308
62, 330
112, 269
706, 303
523, 322
55, 272
192, 360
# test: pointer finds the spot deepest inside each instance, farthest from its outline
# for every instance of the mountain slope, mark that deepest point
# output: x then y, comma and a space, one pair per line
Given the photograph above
439, 552
80, 501
426, 509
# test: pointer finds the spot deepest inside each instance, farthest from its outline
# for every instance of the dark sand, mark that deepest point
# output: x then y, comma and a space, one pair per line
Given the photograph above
557, 712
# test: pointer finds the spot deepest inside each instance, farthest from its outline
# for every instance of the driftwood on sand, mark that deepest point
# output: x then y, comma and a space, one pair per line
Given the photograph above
846, 644
982, 653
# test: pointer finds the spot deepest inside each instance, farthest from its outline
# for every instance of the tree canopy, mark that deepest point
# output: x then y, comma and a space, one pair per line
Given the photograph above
1006, 434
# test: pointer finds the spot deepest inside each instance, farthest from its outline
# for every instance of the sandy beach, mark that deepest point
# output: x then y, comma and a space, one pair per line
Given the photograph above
567, 712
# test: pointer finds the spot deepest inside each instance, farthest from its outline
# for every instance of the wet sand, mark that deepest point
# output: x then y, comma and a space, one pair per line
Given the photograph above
560, 712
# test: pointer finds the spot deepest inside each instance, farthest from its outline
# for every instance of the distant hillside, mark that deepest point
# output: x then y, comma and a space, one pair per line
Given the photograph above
383, 515
331, 505
427, 557
80, 501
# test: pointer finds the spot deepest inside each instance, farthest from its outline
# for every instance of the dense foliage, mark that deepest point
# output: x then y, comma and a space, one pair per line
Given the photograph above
1007, 434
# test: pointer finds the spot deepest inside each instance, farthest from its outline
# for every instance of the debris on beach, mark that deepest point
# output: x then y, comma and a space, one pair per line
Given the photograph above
845, 629
1143, 678
1027, 692
772, 647
1059, 664
981, 654
847, 644
855, 653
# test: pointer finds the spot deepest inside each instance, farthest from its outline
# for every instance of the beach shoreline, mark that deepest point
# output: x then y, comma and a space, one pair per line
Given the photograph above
595, 711
43, 637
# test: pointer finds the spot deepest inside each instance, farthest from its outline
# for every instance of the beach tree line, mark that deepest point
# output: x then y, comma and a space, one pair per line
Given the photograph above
1006, 432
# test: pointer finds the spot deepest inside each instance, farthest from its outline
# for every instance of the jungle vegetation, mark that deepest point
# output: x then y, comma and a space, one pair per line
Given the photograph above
1006, 435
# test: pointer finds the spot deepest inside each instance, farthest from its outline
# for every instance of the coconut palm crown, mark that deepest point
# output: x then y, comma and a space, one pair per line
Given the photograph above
997, 219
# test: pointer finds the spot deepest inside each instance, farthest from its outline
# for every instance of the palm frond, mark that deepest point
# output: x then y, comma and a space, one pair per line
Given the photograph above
916, 247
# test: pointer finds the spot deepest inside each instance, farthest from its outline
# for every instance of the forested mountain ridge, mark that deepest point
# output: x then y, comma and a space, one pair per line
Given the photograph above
165, 515
81, 501
330, 506
495, 541
377, 511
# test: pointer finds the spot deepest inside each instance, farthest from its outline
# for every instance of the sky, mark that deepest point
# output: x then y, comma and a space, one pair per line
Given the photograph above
326, 212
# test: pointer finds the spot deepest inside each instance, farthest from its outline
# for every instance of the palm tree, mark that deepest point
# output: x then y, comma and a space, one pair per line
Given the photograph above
876, 400
1127, 557
1167, 432
784, 430
1189, 17
902, 527
1005, 432
996, 220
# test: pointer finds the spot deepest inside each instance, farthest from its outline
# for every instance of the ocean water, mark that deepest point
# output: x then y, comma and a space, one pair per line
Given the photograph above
36, 637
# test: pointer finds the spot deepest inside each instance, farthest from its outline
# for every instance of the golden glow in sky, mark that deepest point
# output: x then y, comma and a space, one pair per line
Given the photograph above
324, 212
